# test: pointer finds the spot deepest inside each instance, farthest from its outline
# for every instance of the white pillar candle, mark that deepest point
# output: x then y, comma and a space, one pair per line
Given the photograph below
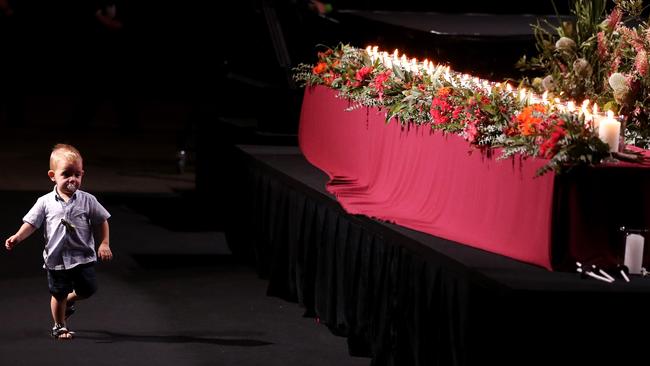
634, 253
609, 131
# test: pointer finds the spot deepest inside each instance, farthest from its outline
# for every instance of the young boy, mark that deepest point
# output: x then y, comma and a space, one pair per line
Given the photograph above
70, 215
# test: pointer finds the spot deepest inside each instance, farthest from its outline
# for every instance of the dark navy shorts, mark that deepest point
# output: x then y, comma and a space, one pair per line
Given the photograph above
80, 279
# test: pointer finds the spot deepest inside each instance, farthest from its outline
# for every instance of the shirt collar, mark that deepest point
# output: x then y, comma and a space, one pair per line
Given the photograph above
59, 198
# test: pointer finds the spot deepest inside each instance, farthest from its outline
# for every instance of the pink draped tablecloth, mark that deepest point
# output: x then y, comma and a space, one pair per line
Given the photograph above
438, 184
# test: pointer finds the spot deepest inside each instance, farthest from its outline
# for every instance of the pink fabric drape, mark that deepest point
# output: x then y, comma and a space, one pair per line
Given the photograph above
428, 181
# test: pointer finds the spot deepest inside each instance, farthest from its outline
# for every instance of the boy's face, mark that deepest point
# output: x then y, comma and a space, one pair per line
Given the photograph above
67, 176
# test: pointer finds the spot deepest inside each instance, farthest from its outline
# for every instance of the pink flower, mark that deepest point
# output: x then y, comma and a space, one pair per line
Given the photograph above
602, 46
471, 131
632, 38
615, 64
641, 63
614, 18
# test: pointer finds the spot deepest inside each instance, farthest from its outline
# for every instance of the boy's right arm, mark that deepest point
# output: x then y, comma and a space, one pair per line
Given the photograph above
23, 233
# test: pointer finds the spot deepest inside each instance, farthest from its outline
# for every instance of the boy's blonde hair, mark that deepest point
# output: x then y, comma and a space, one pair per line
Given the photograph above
64, 152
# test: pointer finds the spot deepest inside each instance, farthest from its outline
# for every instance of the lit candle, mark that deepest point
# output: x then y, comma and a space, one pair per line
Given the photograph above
487, 87
609, 131
388, 63
571, 106
447, 76
634, 253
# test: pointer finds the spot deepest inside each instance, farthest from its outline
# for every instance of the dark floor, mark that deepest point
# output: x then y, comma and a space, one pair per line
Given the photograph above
173, 295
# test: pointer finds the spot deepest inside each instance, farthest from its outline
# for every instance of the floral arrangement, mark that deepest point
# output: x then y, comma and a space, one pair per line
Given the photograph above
599, 56
489, 116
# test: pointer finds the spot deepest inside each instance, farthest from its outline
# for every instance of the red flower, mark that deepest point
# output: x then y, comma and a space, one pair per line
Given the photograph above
439, 111
323, 55
378, 83
550, 147
361, 75
440, 107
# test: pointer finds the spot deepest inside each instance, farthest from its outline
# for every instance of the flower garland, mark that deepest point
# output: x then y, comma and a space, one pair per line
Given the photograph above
487, 115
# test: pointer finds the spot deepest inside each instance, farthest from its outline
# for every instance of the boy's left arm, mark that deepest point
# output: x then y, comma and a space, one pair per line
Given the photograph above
104, 251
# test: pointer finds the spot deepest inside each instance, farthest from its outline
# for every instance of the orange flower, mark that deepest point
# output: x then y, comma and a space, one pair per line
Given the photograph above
530, 119
320, 68
443, 92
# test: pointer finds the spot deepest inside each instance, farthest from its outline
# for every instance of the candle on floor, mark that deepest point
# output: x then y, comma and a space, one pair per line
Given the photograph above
634, 253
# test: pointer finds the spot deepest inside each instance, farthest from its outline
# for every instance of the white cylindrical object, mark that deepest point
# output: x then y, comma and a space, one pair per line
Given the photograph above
634, 253
609, 131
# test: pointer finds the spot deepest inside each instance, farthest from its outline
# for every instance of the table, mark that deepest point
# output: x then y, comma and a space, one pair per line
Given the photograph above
438, 184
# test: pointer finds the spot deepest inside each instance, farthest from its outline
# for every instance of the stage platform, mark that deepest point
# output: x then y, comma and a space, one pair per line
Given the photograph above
403, 297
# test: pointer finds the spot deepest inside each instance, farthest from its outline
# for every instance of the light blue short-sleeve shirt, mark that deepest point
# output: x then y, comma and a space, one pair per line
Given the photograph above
68, 228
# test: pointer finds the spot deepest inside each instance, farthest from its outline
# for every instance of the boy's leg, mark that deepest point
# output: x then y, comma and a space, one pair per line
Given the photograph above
85, 282
58, 309
60, 286
72, 297
69, 306
57, 306
85, 285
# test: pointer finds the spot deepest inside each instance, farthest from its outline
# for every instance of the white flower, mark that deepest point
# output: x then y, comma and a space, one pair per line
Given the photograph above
565, 44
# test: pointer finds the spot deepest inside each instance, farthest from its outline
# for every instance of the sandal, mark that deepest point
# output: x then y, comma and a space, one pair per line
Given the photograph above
61, 332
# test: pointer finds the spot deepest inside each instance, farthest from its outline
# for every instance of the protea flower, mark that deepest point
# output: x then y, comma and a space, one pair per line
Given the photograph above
618, 83
565, 44
582, 68
548, 83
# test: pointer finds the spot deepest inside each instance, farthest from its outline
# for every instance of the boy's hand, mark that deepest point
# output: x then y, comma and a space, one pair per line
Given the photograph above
104, 252
11, 242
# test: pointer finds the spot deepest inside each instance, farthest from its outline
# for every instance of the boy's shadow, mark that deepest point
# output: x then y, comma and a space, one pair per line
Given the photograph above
102, 336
